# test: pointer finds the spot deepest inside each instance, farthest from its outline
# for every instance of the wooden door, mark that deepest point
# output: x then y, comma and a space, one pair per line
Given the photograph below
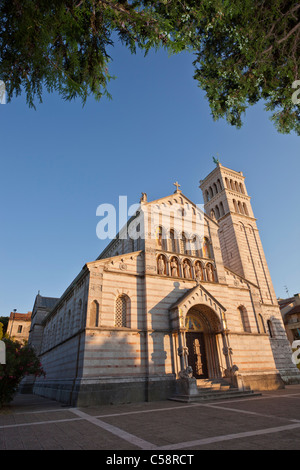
197, 355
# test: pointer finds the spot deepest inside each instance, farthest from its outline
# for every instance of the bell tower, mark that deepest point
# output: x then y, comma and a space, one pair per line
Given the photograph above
227, 201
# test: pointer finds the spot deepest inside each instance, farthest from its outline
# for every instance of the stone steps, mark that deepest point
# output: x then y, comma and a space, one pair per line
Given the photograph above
209, 390
215, 395
213, 384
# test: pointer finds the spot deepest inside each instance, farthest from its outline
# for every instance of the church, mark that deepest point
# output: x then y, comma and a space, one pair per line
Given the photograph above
180, 291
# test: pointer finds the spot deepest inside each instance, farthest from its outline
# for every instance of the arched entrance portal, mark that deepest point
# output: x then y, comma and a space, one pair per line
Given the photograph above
196, 347
203, 335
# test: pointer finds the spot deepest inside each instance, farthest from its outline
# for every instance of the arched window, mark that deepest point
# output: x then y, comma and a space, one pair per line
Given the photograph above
183, 244
222, 212
195, 246
240, 208
270, 328
121, 311
159, 236
227, 183
94, 314
244, 320
242, 188
245, 209
219, 185
215, 188
235, 205
212, 214
198, 246
161, 241
211, 193
261, 325
206, 248
217, 212
172, 242
206, 195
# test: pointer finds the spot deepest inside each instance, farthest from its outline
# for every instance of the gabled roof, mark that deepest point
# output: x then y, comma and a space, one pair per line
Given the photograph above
47, 302
20, 316
284, 302
197, 294
294, 310
162, 200
176, 195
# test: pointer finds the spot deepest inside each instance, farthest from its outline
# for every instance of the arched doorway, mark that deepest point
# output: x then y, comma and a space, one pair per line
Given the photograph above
203, 340
196, 346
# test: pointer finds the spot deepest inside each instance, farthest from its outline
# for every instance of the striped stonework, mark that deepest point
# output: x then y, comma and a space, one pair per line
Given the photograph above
125, 329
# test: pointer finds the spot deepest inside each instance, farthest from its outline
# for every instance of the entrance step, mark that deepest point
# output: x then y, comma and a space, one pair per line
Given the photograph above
219, 384
209, 390
210, 395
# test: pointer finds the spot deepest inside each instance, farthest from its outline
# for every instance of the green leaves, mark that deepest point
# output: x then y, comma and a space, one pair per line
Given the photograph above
21, 360
244, 51
53, 45
248, 54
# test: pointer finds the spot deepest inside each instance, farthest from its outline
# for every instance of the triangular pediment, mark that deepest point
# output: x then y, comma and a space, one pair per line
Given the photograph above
198, 295
179, 199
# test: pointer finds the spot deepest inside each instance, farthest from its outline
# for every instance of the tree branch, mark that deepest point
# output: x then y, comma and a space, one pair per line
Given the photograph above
289, 34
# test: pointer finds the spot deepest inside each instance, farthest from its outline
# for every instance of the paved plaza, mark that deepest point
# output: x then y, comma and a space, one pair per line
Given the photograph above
270, 421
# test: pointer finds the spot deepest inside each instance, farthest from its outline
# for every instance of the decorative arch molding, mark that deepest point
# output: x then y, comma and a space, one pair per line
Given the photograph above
121, 291
207, 316
195, 296
211, 340
196, 260
168, 232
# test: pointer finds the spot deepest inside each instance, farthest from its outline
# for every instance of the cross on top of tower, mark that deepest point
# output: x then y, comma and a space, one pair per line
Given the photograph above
177, 186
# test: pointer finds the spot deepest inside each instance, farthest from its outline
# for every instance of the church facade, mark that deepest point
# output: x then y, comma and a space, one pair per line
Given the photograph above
194, 292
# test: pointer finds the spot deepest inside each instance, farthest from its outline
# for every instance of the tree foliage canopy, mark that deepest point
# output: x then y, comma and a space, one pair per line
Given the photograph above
244, 50
21, 360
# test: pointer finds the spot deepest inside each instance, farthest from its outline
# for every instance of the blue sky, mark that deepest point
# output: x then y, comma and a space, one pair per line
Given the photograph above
60, 162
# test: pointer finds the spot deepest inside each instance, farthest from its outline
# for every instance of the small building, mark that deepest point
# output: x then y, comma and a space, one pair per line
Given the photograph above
290, 311
19, 326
